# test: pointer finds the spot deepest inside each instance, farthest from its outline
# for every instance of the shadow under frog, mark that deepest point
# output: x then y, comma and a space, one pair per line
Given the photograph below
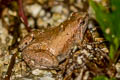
45, 49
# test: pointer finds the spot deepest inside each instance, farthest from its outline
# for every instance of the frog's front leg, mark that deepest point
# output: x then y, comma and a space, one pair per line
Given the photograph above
41, 59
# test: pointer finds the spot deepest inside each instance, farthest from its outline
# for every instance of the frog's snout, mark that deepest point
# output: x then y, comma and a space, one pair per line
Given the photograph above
40, 59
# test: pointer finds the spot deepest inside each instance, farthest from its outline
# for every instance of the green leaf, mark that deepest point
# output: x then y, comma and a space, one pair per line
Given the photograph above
100, 78
112, 50
103, 19
109, 20
113, 79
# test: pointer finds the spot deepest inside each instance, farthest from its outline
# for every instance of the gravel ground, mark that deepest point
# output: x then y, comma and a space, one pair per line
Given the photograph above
83, 64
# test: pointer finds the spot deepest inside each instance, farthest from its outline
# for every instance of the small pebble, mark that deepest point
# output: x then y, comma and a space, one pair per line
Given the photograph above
56, 16
48, 15
57, 9
89, 46
34, 9
87, 73
13, 13
46, 78
36, 72
105, 50
118, 67
117, 75
85, 52
42, 13
73, 9
40, 22
65, 11
41, 1
99, 39
7, 21
79, 59
3, 33
31, 22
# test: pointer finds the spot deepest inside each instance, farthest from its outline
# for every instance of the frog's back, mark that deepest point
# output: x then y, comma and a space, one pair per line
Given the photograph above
39, 37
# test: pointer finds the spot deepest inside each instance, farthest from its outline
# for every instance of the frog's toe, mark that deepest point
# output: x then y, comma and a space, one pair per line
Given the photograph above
40, 59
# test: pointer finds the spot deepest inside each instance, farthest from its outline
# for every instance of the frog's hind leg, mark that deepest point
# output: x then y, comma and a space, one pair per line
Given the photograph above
41, 59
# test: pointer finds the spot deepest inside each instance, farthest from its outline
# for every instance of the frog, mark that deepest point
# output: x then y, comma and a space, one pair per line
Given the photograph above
46, 48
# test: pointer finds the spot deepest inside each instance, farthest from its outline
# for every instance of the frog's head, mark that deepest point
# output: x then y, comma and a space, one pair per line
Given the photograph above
78, 16
82, 21
26, 41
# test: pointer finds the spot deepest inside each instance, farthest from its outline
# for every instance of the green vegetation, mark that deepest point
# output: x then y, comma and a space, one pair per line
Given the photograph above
109, 21
102, 78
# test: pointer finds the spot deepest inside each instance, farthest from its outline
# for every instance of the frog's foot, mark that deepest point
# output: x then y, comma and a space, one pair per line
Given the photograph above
41, 59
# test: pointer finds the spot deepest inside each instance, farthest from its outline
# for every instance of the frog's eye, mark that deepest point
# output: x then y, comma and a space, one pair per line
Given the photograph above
25, 42
83, 22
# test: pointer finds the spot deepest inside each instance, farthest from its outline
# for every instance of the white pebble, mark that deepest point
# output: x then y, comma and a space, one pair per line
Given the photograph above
57, 9
3, 33
85, 52
118, 67
105, 50
36, 72
89, 46
46, 78
42, 13
79, 60
117, 75
31, 22
34, 9
13, 13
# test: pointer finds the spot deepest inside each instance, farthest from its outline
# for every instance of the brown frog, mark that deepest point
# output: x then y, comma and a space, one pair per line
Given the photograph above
45, 49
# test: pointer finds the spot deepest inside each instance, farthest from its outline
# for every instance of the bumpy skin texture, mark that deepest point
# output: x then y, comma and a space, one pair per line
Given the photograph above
44, 49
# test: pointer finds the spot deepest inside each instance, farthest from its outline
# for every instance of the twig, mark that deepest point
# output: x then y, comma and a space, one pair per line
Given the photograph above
22, 15
10, 68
